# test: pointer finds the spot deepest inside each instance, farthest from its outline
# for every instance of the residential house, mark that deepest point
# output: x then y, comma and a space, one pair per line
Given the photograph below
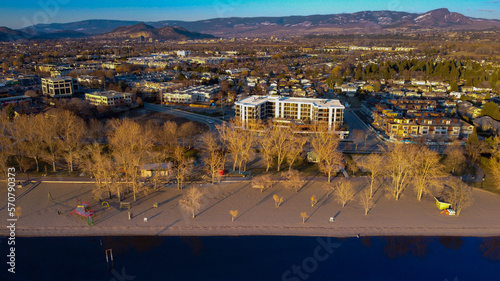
466, 108
486, 123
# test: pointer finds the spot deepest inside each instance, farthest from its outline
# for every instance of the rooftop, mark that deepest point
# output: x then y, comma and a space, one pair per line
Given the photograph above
59, 78
320, 103
107, 94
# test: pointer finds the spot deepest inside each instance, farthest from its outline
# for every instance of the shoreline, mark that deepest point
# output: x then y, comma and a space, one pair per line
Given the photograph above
256, 231
258, 216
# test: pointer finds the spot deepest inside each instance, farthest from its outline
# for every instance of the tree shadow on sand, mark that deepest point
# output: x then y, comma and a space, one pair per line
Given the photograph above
224, 198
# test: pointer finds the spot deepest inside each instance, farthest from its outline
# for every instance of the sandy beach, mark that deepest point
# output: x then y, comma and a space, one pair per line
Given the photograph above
257, 213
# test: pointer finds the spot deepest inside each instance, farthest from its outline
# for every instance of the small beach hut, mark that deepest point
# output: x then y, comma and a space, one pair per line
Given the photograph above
441, 204
149, 170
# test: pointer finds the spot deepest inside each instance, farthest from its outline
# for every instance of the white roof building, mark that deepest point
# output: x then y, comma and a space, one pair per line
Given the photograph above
309, 110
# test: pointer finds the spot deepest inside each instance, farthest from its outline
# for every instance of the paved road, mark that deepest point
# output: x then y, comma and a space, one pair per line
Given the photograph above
373, 141
478, 177
211, 122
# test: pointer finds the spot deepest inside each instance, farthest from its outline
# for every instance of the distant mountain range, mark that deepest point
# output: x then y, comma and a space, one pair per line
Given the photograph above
121, 32
147, 31
360, 22
7, 34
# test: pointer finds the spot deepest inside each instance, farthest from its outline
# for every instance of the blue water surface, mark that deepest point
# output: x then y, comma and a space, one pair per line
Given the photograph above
254, 258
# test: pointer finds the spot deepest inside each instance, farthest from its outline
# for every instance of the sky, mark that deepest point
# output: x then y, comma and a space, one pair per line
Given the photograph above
22, 13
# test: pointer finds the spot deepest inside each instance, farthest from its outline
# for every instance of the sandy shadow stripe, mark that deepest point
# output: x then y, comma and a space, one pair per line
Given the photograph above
220, 200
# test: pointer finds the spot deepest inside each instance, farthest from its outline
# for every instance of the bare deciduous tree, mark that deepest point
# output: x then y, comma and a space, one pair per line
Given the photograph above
401, 166
293, 180
234, 214
103, 169
357, 137
130, 143
192, 201
17, 149
344, 192
4, 157
24, 163
213, 163
427, 171
314, 200
188, 132
366, 200
183, 166
49, 132
262, 182
231, 141
280, 137
495, 169
373, 163
72, 134
267, 148
27, 132
95, 130
5, 141
168, 135
212, 155
351, 165
325, 145
246, 141
304, 216
277, 200
458, 194
474, 148
18, 212
455, 158
210, 142
295, 147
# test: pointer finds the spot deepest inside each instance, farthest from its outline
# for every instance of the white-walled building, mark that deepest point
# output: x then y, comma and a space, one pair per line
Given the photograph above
309, 110
183, 53
191, 94
109, 98
59, 87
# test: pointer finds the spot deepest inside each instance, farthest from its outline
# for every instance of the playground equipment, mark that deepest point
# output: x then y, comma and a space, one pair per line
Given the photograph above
84, 211
107, 204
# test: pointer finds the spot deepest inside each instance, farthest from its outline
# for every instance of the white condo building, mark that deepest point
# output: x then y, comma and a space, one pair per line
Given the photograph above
307, 110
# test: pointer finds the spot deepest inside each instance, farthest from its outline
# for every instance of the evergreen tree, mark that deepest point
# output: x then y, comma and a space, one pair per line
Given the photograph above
491, 109
10, 111
358, 75
453, 86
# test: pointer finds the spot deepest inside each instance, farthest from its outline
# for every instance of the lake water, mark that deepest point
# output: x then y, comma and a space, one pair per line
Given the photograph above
255, 258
